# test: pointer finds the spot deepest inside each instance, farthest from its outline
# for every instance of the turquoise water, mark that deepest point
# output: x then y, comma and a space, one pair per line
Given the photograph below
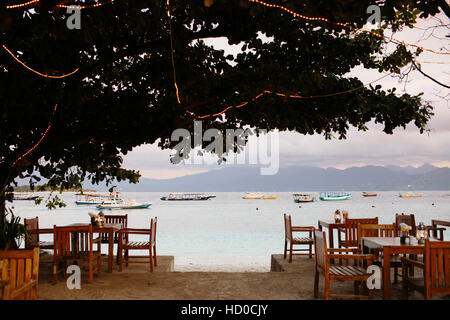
228, 233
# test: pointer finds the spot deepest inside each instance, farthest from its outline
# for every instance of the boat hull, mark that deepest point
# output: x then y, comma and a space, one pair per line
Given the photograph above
259, 198
123, 207
334, 198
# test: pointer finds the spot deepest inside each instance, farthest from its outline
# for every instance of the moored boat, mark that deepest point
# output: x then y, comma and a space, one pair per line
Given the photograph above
334, 196
97, 199
409, 195
258, 195
300, 198
174, 196
366, 194
25, 196
124, 205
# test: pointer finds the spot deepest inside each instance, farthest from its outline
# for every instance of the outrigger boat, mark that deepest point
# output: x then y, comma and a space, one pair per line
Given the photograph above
300, 197
365, 194
187, 196
258, 195
124, 205
25, 196
409, 195
97, 199
334, 196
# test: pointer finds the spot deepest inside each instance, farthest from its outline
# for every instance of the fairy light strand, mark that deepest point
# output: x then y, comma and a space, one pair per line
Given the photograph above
35, 71
73, 6
269, 5
22, 4
39, 142
243, 104
169, 15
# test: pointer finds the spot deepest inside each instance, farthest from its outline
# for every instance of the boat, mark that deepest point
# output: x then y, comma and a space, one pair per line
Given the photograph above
174, 196
334, 196
25, 196
300, 197
132, 204
409, 195
258, 195
96, 199
366, 194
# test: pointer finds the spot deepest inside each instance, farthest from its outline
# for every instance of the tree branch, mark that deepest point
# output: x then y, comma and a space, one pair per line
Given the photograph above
418, 69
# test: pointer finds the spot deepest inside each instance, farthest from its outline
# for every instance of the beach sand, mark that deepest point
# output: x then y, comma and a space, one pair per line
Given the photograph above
293, 281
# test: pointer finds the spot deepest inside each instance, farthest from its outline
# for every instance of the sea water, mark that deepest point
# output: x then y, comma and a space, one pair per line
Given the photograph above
228, 233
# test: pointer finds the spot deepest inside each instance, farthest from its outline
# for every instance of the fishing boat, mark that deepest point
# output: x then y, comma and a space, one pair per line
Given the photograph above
25, 196
366, 194
300, 198
334, 196
187, 196
97, 199
132, 204
409, 195
258, 195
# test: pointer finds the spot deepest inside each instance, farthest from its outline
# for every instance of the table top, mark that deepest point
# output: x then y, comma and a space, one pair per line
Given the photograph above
328, 223
392, 242
114, 226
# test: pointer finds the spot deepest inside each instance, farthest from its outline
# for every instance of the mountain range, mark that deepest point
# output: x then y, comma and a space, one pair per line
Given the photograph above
299, 178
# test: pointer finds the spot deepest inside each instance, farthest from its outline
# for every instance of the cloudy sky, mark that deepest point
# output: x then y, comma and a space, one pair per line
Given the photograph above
373, 147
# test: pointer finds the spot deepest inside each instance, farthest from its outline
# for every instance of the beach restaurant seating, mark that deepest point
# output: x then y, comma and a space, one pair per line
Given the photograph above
350, 231
33, 241
434, 228
355, 272
126, 244
408, 219
381, 230
290, 240
436, 270
75, 243
19, 274
115, 219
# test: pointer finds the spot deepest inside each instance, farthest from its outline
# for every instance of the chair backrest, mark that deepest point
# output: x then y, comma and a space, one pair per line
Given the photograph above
114, 219
320, 247
72, 241
351, 230
32, 240
153, 231
376, 230
437, 267
287, 227
20, 268
407, 219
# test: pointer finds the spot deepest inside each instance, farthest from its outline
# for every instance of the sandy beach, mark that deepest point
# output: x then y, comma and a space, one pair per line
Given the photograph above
292, 282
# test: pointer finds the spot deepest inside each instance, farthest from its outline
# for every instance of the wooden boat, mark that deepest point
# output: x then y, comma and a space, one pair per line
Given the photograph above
97, 199
258, 195
365, 194
334, 196
409, 195
300, 198
124, 205
187, 196
25, 196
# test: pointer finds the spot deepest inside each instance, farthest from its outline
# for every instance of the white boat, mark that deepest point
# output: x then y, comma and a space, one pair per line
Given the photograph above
334, 196
301, 197
97, 199
258, 195
187, 196
25, 196
132, 204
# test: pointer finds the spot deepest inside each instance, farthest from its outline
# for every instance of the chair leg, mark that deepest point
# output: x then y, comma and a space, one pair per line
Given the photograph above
99, 264
285, 249
405, 281
310, 251
290, 252
151, 259
327, 288
126, 258
154, 254
91, 272
316, 285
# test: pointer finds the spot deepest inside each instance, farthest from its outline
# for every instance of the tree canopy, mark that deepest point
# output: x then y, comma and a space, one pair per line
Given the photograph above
130, 55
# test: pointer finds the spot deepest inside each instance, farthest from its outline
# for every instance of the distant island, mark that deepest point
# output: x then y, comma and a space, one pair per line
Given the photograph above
26, 188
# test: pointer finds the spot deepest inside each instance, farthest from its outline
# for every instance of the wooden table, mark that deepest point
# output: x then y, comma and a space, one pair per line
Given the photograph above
106, 228
391, 246
331, 226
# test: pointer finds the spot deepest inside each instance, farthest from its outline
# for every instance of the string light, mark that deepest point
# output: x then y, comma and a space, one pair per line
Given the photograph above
342, 25
169, 15
243, 104
22, 4
37, 72
39, 142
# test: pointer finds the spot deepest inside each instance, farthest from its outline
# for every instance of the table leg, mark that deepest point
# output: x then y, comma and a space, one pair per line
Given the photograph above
110, 250
386, 273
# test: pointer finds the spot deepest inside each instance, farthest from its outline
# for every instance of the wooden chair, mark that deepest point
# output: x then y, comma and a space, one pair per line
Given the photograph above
350, 231
115, 219
434, 228
356, 272
381, 230
75, 243
436, 270
292, 240
20, 273
32, 225
407, 219
125, 245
